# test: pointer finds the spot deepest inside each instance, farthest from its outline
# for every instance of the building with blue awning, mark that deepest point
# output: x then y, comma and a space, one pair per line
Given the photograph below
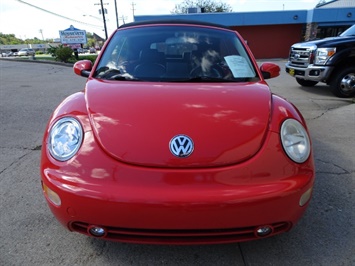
270, 34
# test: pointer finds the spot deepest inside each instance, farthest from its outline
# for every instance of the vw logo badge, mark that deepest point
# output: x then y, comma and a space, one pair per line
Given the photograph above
181, 146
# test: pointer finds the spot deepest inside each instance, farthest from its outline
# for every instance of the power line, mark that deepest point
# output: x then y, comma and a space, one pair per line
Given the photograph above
58, 15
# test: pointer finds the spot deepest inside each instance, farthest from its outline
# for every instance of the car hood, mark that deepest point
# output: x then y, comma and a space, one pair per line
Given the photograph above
135, 122
326, 42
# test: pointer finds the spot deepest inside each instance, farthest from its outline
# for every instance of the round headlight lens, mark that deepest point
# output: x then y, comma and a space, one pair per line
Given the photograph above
65, 138
295, 140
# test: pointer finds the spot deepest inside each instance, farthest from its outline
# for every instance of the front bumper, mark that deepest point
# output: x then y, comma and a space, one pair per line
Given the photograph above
311, 72
178, 206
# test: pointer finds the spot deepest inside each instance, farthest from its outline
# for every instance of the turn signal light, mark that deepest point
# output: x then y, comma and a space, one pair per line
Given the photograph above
306, 197
51, 195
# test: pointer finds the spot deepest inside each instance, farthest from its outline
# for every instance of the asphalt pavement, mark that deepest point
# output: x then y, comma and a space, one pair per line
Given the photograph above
30, 235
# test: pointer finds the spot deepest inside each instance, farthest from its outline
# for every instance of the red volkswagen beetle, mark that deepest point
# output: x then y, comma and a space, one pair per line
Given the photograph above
177, 139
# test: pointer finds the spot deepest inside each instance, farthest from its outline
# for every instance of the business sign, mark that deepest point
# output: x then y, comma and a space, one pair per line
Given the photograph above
74, 45
72, 36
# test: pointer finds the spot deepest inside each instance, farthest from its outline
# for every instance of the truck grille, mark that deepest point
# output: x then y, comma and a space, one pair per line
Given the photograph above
300, 57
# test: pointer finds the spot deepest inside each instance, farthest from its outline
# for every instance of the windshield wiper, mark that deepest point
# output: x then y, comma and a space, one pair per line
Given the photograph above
106, 72
212, 79
125, 76
113, 74
207, 78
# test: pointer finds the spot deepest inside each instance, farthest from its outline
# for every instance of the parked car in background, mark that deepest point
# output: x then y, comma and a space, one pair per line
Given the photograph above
177, 139
26, 52
82, 50
92, 50
9, 54
330, 60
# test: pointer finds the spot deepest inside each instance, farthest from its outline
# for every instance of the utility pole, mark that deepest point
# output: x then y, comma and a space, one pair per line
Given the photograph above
133, 4
41, 31
103, 16
123, 19
116, 14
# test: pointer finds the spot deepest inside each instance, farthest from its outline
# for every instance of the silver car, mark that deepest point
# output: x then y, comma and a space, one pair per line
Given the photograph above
26, 52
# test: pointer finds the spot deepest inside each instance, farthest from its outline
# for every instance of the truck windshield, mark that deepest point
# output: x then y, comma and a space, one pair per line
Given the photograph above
349, 32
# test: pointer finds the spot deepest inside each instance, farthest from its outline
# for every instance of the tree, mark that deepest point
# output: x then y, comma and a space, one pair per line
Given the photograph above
61, 53
209, 6
8, 39
91, 40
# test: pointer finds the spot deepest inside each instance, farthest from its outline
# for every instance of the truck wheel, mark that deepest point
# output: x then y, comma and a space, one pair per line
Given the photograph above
306, 83
343, 83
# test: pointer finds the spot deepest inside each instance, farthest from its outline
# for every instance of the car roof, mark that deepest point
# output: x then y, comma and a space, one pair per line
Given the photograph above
173, 21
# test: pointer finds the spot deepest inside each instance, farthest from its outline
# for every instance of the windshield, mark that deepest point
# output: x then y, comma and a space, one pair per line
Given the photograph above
175, 53
349, 32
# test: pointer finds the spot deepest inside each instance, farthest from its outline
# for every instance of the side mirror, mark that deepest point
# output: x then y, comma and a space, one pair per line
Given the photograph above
83, 68
270, 70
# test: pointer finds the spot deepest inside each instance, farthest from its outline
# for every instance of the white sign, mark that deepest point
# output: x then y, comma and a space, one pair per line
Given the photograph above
239, 66
72, 35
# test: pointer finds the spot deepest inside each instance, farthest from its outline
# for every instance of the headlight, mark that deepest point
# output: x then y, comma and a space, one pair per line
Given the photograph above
323, 54
295, 140
65, 138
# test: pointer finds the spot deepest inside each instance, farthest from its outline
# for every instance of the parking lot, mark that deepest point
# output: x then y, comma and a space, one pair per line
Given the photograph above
30, 235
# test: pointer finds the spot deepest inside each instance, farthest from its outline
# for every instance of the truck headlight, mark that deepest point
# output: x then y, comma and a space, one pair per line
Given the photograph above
323, 54
65, 138
295, 140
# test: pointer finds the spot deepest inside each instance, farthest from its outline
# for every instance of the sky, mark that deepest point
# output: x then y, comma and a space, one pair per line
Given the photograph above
43, 19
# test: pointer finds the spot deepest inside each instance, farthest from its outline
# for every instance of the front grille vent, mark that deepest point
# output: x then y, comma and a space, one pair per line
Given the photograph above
204, 236
300, 57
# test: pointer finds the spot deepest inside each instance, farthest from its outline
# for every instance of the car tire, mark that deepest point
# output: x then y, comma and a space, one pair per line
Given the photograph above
306, 83
343, 83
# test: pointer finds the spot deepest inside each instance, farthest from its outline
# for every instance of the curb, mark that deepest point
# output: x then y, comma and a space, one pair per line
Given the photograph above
37, 61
